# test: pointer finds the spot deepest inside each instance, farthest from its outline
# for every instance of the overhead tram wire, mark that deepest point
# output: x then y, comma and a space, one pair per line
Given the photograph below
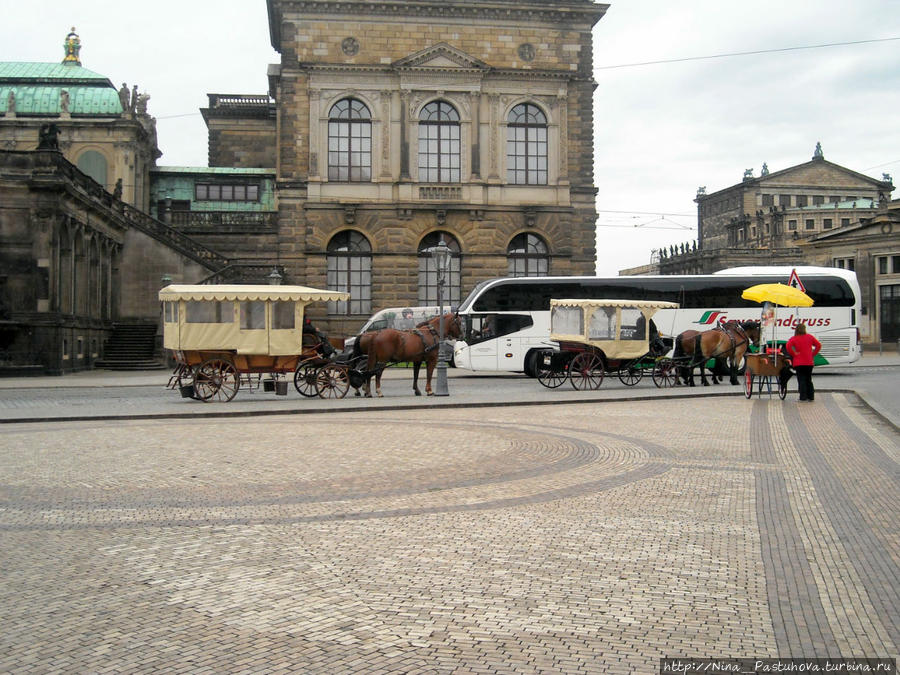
748, 53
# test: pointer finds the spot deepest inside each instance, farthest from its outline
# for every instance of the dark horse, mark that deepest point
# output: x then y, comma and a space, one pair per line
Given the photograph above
725, 344
397, 346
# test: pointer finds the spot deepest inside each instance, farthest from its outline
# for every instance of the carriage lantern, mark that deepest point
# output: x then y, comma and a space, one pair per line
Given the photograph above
441, 256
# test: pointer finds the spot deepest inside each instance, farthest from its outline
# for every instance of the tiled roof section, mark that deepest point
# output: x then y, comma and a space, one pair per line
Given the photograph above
37, 88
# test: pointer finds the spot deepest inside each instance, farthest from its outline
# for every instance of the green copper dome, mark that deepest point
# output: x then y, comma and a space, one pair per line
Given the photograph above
37, 89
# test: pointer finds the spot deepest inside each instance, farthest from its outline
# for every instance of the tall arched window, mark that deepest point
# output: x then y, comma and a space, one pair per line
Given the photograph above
349, 268
349, 141
428, 277
526, 146
94, 165
439, 149
527, 256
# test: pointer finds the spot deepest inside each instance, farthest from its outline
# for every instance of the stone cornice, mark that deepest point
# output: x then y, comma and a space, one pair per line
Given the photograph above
562, 75
559, 12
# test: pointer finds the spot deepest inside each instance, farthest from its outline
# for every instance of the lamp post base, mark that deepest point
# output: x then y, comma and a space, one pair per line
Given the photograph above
440, 384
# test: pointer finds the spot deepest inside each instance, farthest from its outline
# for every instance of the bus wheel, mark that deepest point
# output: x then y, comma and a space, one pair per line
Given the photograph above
533, 361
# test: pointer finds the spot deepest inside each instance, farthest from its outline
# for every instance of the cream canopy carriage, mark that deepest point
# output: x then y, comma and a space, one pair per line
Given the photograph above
219, 332
600, 336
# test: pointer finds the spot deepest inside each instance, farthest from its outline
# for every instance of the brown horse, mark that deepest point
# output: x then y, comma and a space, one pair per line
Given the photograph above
726, 344
397, 346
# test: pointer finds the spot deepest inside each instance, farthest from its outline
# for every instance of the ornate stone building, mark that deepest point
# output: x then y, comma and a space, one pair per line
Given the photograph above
106, 133
399, 123
79, 256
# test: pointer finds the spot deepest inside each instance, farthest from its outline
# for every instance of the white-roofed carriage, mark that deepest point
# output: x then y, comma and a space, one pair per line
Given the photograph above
596, 337
222, 335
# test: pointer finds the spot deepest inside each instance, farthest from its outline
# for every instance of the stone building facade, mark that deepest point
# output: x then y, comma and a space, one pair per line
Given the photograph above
870, 247
241, 131
400, 123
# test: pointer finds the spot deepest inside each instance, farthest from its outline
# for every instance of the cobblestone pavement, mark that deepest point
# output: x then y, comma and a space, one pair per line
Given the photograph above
545, 538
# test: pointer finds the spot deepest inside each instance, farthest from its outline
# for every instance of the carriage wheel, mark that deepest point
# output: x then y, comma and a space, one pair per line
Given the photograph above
216, 378
665, 373
586, 371
305, 380
548, 377
748, 383
332, 381
631, 374
782, 388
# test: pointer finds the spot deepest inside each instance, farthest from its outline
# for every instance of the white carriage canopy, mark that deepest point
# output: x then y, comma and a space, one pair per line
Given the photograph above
245, 318
617, 327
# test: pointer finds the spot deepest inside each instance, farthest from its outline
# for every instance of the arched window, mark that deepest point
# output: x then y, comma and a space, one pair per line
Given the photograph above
93, 164
349, 141
526, 146
428, 277
527, 256
349, 268
439, 150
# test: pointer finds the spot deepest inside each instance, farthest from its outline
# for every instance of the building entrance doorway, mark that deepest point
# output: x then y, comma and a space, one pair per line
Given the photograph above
889, 312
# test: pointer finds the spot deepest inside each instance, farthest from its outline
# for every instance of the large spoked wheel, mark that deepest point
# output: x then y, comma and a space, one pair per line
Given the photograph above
216, 379
782, 388
549, 377
305, 380
748, 383
332, 381
631, 374
665, 373
586, 371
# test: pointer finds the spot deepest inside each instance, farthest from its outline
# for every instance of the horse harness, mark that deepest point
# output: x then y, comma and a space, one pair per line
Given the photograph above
434, 334
745, 340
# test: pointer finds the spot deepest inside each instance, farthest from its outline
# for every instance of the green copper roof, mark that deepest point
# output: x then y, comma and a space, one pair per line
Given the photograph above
37, 88
34, 73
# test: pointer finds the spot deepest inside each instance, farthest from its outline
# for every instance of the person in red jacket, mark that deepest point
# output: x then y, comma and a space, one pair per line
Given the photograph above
803, 348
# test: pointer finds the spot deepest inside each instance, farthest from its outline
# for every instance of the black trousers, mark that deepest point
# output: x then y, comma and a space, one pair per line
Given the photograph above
804, 383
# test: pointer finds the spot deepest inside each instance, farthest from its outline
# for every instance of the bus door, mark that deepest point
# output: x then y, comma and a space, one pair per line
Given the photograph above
498, 340
482, 342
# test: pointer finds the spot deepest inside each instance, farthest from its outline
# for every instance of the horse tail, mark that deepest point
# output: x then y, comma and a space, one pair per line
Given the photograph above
679, 349
357, 346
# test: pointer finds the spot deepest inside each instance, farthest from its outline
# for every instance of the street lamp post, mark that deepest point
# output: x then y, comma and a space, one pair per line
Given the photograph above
441, 256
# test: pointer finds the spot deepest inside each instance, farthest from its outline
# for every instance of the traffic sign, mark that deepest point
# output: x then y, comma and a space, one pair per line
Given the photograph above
795, 281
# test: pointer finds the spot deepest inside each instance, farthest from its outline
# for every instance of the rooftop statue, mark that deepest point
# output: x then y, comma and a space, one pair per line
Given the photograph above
818, 154
124, 95
72, 47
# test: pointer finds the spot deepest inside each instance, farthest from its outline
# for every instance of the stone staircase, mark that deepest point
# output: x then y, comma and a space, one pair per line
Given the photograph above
131, 346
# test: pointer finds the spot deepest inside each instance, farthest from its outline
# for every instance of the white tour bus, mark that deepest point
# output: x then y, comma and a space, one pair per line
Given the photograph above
507, 319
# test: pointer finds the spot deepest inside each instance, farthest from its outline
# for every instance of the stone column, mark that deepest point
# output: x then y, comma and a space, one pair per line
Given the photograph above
404, 135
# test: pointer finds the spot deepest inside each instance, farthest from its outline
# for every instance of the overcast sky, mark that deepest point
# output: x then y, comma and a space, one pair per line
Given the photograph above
661, 130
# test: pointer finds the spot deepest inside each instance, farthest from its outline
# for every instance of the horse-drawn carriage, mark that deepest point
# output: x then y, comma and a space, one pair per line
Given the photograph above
597, 337
221, 336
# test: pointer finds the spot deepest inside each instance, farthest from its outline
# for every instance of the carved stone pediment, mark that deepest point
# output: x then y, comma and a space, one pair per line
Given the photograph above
442, 57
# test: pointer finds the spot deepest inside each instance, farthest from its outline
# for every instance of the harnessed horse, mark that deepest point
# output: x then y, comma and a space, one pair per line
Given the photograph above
418, 345
726, 343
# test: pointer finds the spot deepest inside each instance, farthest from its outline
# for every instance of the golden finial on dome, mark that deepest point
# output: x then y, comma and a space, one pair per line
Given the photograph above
72, 47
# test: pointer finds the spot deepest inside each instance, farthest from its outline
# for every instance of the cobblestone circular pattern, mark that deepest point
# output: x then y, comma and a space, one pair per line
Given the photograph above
200, 471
